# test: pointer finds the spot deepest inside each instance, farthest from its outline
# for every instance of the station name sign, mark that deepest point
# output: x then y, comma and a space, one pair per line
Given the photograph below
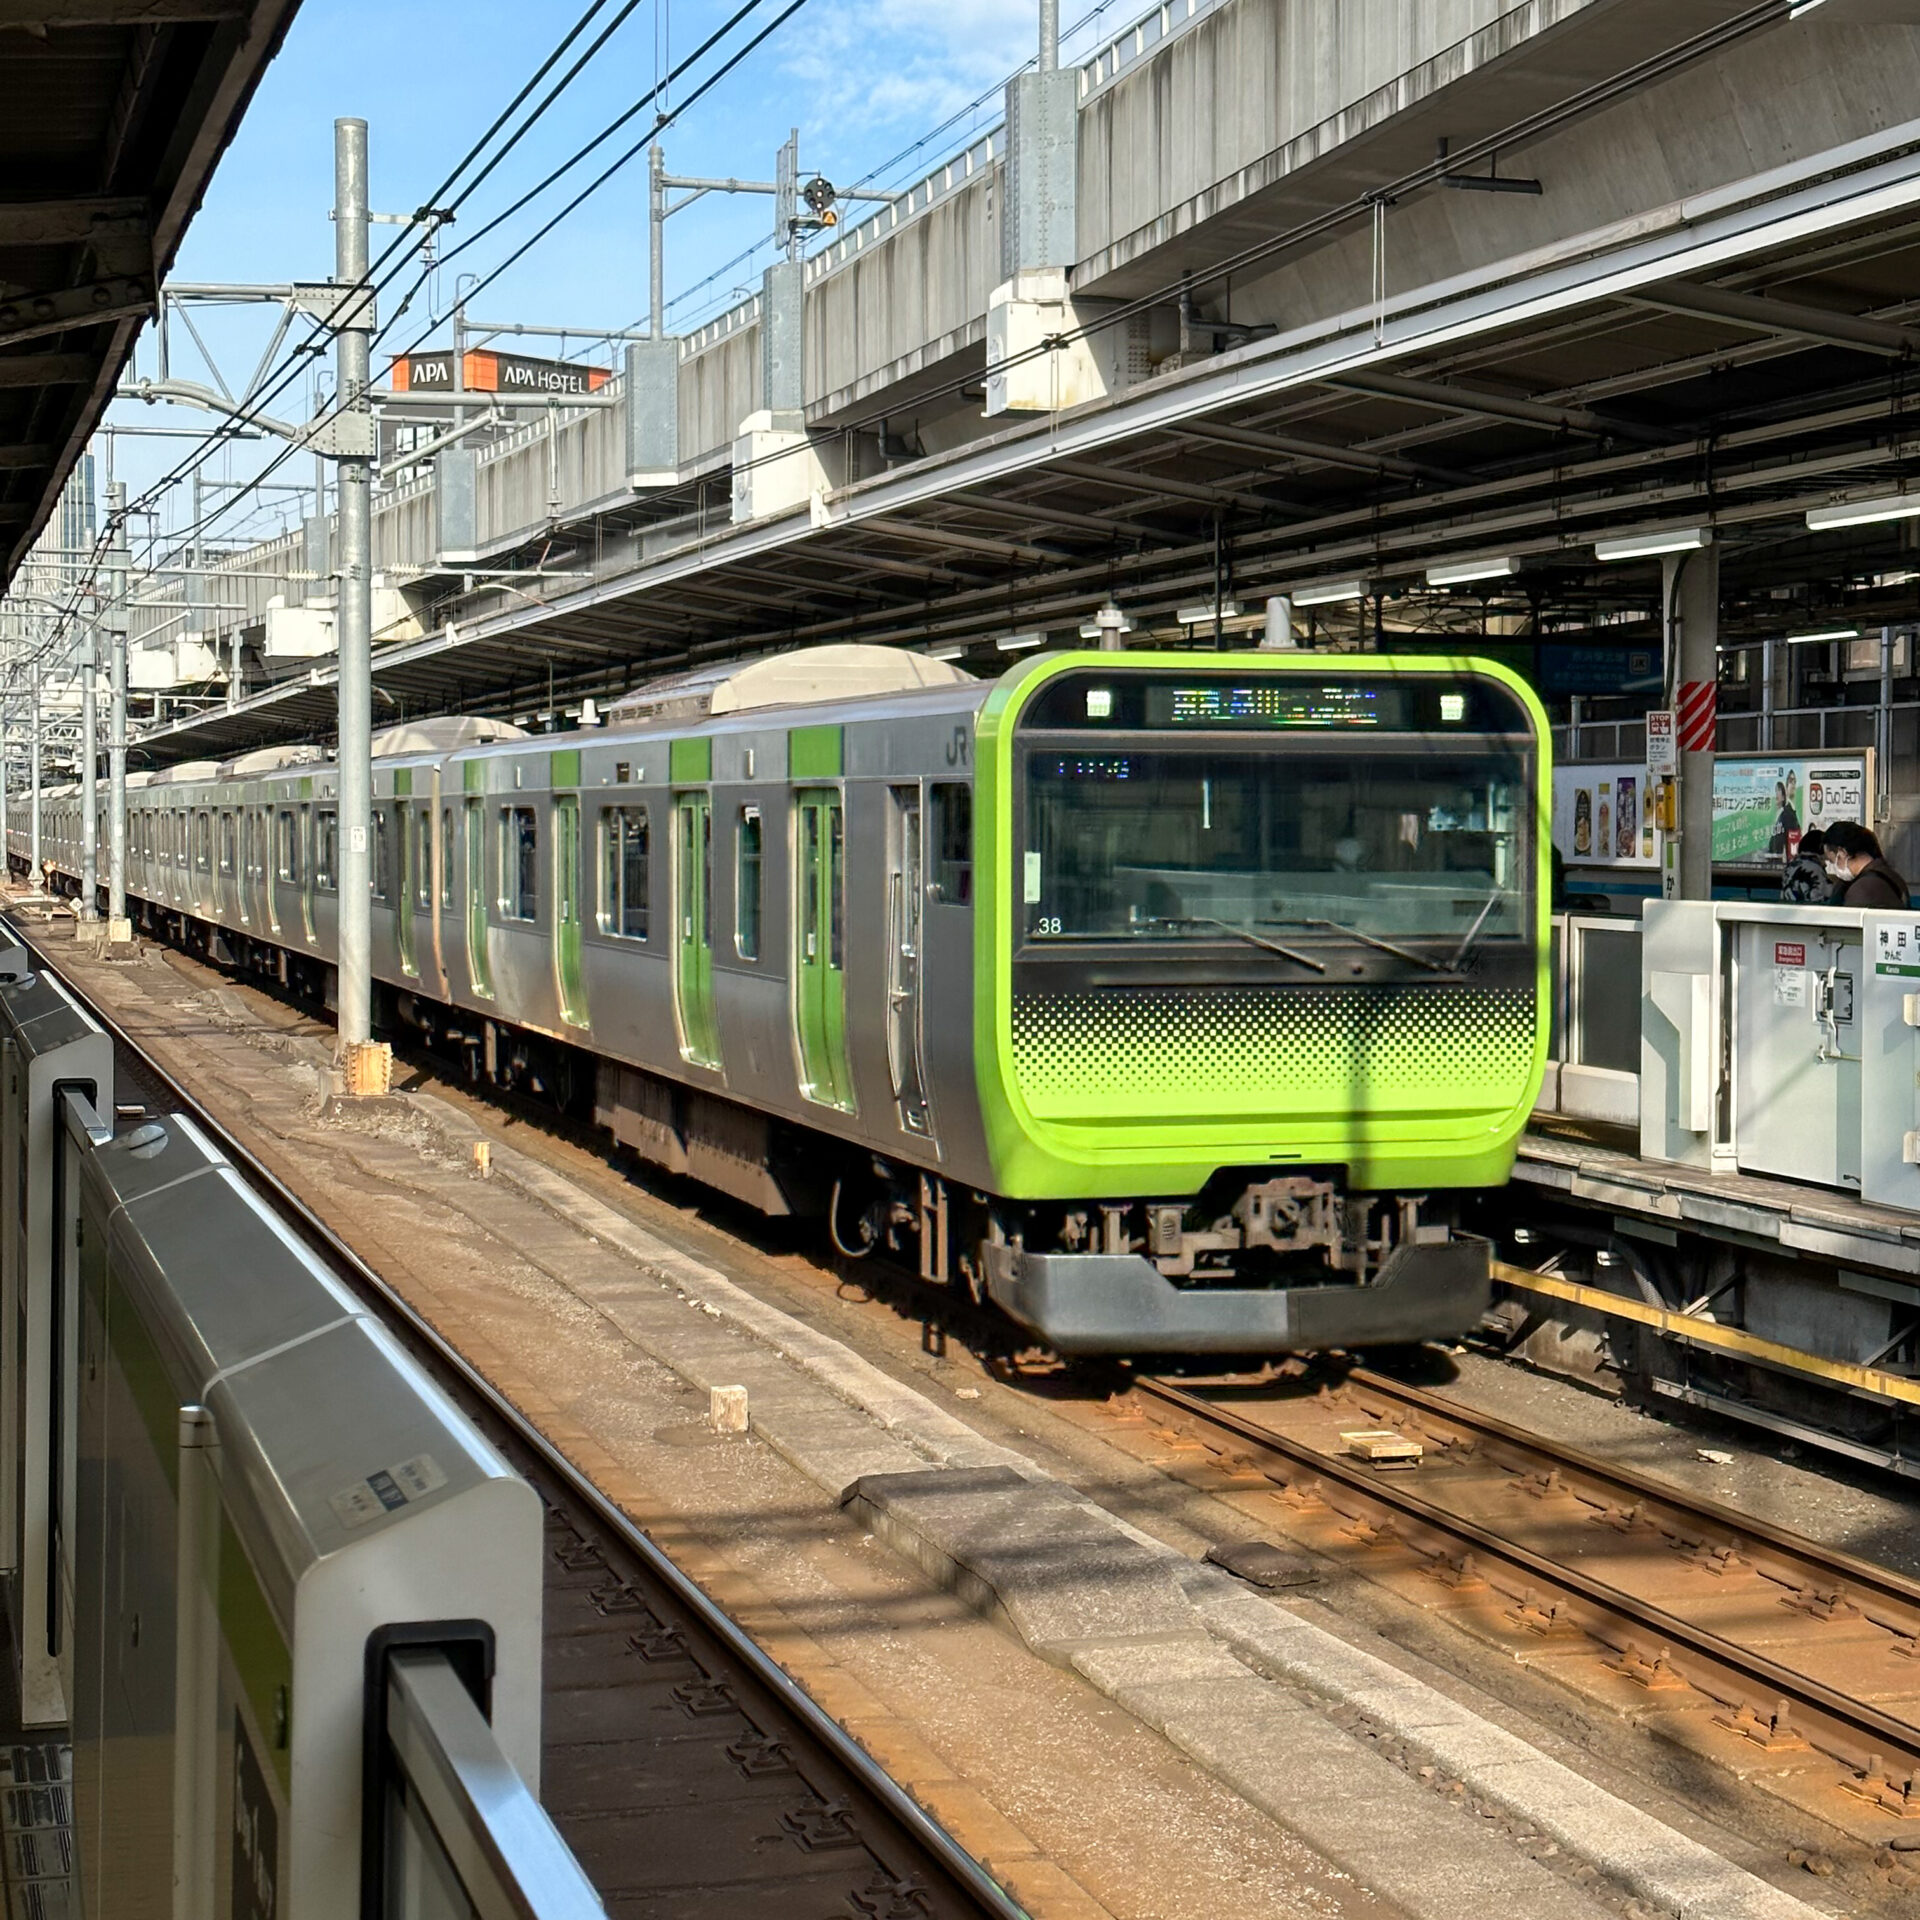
483, 371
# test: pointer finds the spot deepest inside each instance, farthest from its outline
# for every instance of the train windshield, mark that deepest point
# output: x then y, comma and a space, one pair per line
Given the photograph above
1277, 840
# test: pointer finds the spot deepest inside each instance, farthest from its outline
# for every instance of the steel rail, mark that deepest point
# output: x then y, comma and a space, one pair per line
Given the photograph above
1832, 1563
1853, 1731
918, 1827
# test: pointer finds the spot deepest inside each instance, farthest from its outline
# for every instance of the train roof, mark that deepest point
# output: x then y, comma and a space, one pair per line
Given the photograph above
802, 676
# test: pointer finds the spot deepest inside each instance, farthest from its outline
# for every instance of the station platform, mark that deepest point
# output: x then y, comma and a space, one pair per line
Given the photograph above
1651, 1198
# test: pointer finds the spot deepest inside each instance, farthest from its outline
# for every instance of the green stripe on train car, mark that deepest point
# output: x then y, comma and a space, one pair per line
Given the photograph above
563, 768
306, 787
690, 760
473, 777
813, 753
402, 781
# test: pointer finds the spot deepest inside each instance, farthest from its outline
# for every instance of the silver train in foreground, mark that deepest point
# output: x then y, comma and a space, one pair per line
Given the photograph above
984, 971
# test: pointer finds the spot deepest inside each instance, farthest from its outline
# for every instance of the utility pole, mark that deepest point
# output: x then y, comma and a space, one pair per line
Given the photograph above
118, 559
90, 771
361, 1068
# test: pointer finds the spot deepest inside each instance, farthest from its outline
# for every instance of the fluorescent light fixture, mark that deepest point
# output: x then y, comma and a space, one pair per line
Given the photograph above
1323, 593
1020, 642
1203, 616
951, 651
1860, 513
1825, 633
1641, 546
1803, 6
1458, 573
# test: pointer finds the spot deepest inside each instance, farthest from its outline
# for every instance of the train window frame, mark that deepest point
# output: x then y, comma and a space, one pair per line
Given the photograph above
202, 841
446, 859
419, 821
286, 846
382, 859
227, 843
749, 882
520, 864
626, 849
950, 841
326, 849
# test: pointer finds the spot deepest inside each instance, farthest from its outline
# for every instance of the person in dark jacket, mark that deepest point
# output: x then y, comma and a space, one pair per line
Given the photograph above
1806, 881
1862, 875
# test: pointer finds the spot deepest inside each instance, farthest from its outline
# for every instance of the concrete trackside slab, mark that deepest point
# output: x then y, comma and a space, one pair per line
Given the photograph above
1231, 1677
1056, 1570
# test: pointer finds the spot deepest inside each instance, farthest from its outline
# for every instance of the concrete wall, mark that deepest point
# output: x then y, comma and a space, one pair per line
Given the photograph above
1257, 89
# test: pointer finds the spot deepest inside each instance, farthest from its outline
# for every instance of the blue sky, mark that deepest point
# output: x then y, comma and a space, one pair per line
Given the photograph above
861, 79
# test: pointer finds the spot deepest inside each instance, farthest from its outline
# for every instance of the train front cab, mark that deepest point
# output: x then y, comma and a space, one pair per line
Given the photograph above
1261, 957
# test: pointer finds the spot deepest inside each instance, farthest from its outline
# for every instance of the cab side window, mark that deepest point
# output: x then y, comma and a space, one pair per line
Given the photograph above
953, 842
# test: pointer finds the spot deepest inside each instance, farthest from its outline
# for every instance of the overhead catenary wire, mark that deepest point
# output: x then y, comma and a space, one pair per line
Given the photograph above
261, 399
262, 392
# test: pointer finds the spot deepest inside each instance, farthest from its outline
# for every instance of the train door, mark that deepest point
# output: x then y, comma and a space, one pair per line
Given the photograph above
904, 897
568, 974
479, 962
819, 971
693, 928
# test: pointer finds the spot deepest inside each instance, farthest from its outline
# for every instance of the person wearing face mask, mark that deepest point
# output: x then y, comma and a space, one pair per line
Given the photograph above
1862, 874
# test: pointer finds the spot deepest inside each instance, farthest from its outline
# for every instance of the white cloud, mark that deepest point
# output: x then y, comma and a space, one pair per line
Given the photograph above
905, 65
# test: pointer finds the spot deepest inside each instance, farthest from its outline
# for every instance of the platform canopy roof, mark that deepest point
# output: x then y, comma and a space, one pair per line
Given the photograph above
113, 114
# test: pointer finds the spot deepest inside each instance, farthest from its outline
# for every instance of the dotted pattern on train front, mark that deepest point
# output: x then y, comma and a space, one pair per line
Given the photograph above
1182, 1051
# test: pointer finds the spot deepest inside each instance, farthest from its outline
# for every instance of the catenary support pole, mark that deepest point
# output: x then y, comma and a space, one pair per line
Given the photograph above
354, 620
656, 242
38, 876
90, 770
1049, 36
118, 559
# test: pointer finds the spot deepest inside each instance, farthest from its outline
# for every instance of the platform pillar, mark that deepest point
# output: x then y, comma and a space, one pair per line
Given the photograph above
1691, 604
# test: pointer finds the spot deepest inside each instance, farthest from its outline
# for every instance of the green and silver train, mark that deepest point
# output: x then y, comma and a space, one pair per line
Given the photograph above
1171, 1001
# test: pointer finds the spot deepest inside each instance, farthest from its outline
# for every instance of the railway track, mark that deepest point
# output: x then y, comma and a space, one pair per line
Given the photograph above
680, 1761
1788, 1662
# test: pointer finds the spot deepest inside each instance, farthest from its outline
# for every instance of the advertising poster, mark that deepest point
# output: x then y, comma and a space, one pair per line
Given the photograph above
1601, 817
1763, 803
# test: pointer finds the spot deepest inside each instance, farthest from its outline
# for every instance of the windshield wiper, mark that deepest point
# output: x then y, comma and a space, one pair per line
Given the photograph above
1384, 946
1472, 934
1239, 933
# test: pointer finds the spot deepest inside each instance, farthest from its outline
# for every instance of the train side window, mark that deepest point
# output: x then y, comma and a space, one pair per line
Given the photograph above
747, 870
226, 843
326, 849
953, 843
519, 863
203, 842
286, 851
382, 855
626, 872
446, 856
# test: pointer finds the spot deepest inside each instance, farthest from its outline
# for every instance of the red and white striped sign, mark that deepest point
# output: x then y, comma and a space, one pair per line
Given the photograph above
1699, 709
